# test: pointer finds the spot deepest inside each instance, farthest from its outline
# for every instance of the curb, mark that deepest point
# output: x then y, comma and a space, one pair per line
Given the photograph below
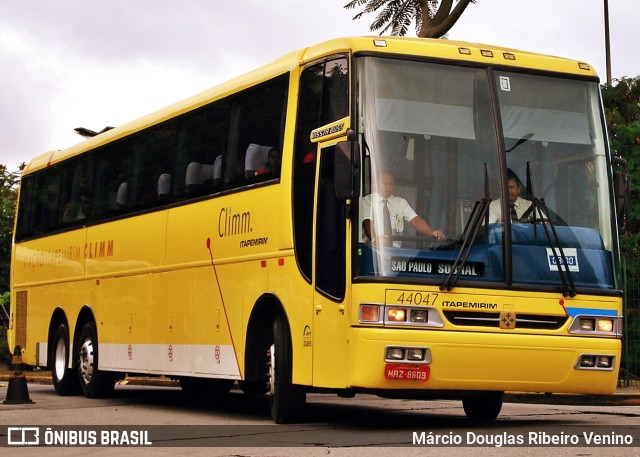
620, 398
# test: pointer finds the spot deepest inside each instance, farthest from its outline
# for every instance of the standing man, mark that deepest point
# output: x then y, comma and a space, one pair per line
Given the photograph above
384, 215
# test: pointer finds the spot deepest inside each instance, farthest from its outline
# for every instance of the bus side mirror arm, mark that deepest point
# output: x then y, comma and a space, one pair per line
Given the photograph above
346, 170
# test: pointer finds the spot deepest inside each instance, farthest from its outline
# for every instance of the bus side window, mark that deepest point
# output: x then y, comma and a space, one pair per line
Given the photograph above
47, 200
110, 182
258, 127
76, 191
202, 139
24, 226
153, 159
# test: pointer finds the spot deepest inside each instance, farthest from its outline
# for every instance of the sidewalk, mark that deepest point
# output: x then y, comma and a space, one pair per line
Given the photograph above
624, 396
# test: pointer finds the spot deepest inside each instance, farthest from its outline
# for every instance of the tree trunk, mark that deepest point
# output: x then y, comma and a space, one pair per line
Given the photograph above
443, 20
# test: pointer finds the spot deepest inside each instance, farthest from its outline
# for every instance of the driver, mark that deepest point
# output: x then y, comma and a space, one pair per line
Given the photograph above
518, 206
384, 215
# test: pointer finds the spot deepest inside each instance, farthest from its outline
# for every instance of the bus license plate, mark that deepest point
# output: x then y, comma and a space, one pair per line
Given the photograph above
406, 372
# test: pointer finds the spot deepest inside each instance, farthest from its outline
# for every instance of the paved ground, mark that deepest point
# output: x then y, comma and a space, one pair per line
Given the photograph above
624, 396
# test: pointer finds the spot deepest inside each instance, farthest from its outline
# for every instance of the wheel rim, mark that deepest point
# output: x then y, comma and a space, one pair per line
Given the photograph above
272, 369
60, 362
86, 361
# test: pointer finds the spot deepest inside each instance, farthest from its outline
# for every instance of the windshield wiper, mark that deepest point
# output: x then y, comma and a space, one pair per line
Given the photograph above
549, 228
479, 218
541, 213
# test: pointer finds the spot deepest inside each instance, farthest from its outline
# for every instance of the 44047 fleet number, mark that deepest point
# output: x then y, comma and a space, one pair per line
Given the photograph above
410, 298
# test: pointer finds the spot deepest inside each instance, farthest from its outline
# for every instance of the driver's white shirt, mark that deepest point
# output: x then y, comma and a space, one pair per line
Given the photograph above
399, 210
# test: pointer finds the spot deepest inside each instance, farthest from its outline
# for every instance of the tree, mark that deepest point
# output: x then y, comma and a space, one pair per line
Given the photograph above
433, 18
622, 112
8, 194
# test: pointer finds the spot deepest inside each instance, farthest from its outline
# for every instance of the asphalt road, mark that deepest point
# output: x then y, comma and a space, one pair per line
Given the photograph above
238, 425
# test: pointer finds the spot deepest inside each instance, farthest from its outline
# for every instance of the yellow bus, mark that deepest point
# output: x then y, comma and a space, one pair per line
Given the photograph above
338, 221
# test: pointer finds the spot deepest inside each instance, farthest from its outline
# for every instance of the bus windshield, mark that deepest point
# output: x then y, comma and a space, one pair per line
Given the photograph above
486, 175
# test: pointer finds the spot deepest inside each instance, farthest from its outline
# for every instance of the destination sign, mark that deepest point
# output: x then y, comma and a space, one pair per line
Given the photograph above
435, 267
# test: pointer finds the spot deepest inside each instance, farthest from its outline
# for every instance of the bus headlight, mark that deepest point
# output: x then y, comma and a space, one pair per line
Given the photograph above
605, 325
597, 326
394, 354
415, 354
595, 362
399, 316
419, 315
407, 354
396, 315
587, 324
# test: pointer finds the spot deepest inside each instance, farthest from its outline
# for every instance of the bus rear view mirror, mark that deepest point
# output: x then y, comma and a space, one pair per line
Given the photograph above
346, 166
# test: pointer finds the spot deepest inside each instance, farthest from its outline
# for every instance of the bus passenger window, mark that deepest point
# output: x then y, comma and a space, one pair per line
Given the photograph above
258, 122
47, 202
110, 180
202, 139
153, 159
76, 191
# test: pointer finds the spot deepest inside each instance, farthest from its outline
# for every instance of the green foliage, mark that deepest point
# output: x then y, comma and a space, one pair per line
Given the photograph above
432, 18
622, 112
5, 353
8, 194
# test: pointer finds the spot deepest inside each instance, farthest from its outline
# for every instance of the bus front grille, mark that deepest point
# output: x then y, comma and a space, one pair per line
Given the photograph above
515, 320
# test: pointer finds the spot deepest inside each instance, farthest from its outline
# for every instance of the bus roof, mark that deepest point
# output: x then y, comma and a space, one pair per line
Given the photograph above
421, 47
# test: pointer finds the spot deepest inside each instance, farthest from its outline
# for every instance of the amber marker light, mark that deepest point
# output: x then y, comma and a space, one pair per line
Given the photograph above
369, 313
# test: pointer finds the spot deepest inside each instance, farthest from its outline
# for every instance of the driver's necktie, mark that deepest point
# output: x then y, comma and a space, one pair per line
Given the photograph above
514, 214
386, 218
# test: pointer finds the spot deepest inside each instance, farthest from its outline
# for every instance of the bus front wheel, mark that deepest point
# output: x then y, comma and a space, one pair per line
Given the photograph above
483, 407
65, 381
287, 399
95, 383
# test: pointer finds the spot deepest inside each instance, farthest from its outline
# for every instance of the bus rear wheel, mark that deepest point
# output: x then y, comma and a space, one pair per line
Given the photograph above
94, 382
65, 381
483, 407
287, 399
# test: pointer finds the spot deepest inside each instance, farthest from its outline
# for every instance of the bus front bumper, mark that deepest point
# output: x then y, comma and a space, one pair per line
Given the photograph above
466, 361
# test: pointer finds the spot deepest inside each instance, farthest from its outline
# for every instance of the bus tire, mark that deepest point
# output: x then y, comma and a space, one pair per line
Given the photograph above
65, 381
484, 407
95, 383
287, 399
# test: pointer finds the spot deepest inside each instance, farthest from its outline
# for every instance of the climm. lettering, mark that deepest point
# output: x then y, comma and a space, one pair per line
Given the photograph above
230, 223
98, 249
